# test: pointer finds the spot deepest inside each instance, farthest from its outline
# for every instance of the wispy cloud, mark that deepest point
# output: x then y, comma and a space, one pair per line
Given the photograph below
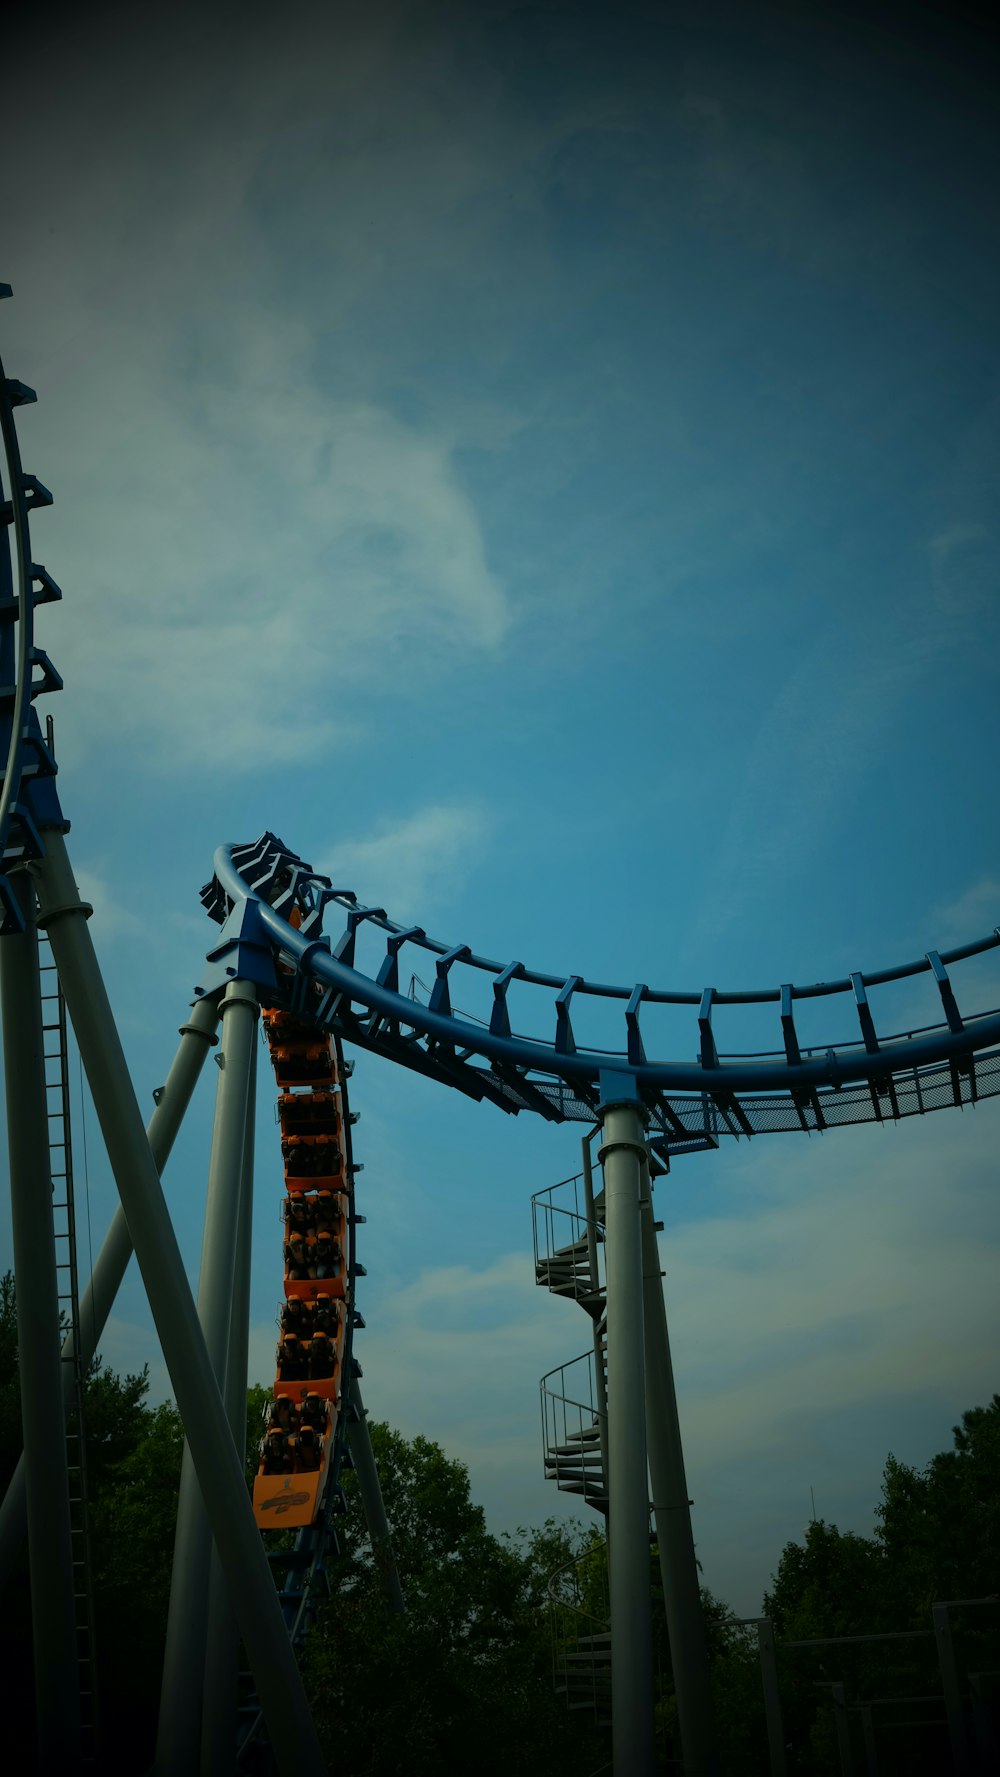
112, 920
965, 569
416, 863
275, 553
970, 915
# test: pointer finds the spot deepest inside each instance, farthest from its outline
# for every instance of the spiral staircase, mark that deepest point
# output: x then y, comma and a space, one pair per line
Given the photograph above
568, 1223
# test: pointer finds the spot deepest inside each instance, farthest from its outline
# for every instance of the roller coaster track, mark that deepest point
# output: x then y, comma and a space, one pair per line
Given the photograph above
690, 1104
26, 672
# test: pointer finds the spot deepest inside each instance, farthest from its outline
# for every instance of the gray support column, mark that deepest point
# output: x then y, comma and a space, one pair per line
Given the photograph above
363, 1456
957, 1732
50, 1548
868, 1731
112, 1260
628, 1520
179, 1736
772, 1697
672, 1511
982, 1715
841, 1720
219, 1715
293, 1738
600, 1380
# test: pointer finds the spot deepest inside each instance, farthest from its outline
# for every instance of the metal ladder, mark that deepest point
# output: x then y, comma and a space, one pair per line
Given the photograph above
57, 1097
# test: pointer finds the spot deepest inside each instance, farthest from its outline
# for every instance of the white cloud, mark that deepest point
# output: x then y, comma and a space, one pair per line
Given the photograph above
245, 546
274, 554
971, 915
413, 864
111, 919
456, 1354
847, 1297
965, 569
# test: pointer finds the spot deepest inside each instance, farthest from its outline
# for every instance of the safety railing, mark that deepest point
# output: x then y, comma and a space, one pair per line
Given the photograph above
580, 1628
573, 1429
564, 1258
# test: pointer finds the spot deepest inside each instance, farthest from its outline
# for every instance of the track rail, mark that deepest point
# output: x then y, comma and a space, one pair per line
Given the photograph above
692, 1103
26, 672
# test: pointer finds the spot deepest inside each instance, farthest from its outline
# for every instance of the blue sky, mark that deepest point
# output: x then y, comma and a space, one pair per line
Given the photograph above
542, 461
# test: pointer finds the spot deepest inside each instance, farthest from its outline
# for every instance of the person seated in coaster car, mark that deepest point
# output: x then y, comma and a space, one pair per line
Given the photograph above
276, 1457
284, 1414
296, 1263
321, 1357
327, 1255
310, 1255
293, 1361
327, 1211
327, 1158
309, 1450
314, 1412
326, 1315
298, 1212
296, 1316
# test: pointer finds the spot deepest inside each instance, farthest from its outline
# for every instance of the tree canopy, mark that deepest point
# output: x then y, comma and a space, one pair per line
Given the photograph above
465, 1678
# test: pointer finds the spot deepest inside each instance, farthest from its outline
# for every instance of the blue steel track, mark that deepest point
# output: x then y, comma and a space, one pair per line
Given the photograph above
690, 1103
27, 766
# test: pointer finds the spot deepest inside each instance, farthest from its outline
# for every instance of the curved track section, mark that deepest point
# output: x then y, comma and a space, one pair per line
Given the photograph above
870, 1077
26, 672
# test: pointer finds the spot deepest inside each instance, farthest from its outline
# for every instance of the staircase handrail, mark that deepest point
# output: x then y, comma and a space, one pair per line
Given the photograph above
575, 1561
568, 1399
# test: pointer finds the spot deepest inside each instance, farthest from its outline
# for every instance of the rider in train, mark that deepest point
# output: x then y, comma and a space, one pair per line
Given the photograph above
293, 1358
322, 1358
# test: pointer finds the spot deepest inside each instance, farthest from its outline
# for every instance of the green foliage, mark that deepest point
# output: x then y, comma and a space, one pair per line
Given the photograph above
463, 1679
940, 1527
831, 1585
937, 1539
259, 1402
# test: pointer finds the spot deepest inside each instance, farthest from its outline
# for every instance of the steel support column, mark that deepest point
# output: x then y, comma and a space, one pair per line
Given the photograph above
363, 1457
868, 1733
222, 1645
279, 1685
179, 1735
772, 1697
622, 1154
112, 1260
672, 1515
842, 1727
43, 1420
957, 1732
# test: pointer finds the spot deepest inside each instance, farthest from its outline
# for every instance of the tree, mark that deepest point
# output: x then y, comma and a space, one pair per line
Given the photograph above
830, 1585
463, 1680
937, 1538
940, 1526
